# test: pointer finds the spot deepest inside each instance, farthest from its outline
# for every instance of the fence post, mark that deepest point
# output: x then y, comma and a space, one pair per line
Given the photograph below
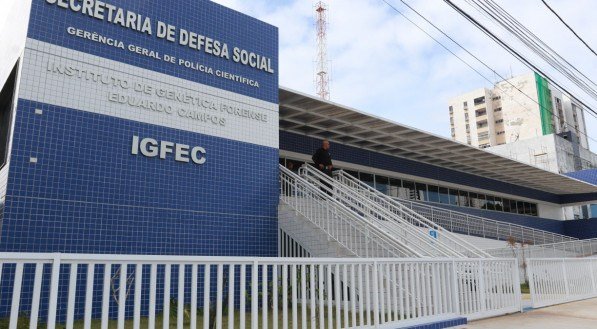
54, 291
592, 276
565, 278
455, 291
254, 295
516, 279
375, 295
482, 292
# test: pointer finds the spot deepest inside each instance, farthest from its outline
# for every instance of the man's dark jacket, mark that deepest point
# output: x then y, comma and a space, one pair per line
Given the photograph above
322, 157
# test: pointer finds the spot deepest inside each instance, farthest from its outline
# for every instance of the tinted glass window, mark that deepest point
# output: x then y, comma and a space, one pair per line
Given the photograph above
408, 190
463, 199
520, 206
421, 191
533, 209
498, 204
444, 196
433, 193
453, 197
382, 183
395, 184
490, 203
513, 206
353, 173
367, 179
506, 205
294, 165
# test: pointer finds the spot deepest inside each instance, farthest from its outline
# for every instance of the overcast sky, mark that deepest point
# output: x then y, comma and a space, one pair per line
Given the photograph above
381, 64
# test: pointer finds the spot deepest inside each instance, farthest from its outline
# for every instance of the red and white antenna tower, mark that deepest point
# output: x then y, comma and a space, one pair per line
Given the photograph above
322, 77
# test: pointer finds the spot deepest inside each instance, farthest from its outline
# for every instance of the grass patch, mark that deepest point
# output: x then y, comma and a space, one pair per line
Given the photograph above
524, 288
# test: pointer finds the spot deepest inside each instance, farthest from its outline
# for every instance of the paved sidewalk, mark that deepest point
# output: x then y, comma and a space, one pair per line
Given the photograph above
577, 315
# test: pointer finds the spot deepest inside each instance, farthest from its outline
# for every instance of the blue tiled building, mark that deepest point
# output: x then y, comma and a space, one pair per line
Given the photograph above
88, 81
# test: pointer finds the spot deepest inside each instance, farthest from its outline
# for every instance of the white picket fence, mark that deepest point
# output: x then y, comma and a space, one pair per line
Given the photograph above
81, 290
560, 280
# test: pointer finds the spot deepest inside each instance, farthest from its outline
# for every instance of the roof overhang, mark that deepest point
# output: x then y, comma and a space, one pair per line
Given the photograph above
307, 115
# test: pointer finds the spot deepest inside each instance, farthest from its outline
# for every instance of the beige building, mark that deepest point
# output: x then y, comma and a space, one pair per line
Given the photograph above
516, 109
526, 119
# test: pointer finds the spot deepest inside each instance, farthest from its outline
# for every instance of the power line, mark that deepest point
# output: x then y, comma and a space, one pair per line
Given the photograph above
568, 26
496, 13
512, 51
474, 56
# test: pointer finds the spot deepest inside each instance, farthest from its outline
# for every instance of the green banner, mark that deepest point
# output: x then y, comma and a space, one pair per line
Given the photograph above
545, 105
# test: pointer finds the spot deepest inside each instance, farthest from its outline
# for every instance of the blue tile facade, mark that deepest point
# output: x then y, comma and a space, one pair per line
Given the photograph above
88, 194
74, 186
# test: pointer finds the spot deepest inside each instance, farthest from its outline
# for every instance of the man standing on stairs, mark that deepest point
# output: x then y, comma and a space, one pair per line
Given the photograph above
323, 158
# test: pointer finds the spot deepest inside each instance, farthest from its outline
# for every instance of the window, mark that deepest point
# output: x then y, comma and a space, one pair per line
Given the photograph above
463, 199
506, 205
453, 197
501, 132
484, 146
483, 135
533, 209
465, 105
395, 184
421, 193
367, 179
480, 112
433, 193
497, 109
408, 190
6, 104
382, 184
499, 121
444, 195
354, 174
466, 116
451, 109
520, 207
497, 98
479, 100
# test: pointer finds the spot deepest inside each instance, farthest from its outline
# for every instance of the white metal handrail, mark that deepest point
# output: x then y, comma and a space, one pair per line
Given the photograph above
415, 218
459, 222
380, 216
244, 292
356, 234
576, 248
561, 280
403, 214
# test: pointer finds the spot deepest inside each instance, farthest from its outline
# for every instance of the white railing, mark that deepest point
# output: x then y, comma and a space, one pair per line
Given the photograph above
555, 281
79, 290
356, 234
459, 222
381, 218
385, 208
570, 249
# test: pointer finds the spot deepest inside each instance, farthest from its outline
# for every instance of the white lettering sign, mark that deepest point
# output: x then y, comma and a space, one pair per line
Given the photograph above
151, 148
131, 20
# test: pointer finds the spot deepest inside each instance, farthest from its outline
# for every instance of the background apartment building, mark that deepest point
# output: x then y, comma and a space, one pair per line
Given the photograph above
526, 119
516, 109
